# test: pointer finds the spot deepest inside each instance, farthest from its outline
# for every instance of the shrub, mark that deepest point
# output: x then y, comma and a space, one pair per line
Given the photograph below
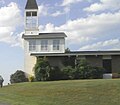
86, 71
68, 72
82, 70
18, 76
31, 79
42, 69
55, 73
97, 72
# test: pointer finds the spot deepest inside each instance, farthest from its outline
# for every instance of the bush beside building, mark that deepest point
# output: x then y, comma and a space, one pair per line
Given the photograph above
82, 70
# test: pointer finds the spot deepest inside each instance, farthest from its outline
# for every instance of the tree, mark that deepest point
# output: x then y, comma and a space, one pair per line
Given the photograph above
68, 73
97, 72
42, 69
67, 50
86, 71
82, 70
18, 76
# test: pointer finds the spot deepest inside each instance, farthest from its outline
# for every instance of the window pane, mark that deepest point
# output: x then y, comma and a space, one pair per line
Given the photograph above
28, 22
56, 44
28, 13
31, 22
31, 19
44, 45
34, 21
32, 45
34, 13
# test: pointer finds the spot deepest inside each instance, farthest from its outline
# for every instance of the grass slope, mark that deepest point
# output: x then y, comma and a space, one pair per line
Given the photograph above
77, 92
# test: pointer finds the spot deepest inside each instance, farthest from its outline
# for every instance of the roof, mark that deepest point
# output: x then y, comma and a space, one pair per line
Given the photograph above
31, 4
78, 53
45, 35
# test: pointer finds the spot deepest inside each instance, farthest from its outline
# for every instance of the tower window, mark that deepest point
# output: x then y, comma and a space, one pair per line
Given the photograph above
31, 13
44, 45
56, 44
28, 13
31, 19
34, 13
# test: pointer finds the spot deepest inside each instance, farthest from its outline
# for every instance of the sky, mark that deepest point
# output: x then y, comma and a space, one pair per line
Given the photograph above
88, 24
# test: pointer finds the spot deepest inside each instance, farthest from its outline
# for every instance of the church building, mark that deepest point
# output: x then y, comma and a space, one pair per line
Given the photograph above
52, 46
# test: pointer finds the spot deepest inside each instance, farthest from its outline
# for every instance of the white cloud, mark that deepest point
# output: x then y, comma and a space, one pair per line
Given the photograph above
10, 15
108, 44
58, 13
17, 40
10, 18
43, 10
92, 29
104, 5
69, 2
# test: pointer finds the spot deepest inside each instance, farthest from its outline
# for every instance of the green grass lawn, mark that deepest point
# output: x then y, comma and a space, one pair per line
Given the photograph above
77, 92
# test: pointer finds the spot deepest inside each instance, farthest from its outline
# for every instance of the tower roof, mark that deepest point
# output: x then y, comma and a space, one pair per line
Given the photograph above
31, 4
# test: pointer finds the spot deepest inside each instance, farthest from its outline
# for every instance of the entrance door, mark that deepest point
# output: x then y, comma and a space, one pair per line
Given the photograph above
107, 65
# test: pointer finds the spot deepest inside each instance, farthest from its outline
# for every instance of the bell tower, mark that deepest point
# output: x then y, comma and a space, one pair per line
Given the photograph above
31, 18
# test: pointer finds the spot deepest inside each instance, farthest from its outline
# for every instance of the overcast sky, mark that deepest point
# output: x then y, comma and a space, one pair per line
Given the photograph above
88, 24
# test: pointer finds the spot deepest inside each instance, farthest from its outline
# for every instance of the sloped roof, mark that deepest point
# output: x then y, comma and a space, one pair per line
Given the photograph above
31, 4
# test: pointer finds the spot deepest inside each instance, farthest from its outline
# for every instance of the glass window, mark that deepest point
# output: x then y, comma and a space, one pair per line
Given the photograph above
34, 22
28, 13
56, 44
32, 45
31, 13
44, 45
28, 22
34, 13
31, 19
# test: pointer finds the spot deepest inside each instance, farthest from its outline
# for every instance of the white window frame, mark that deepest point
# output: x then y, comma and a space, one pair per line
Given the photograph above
31, 21
32, 45
44, 45
56, 45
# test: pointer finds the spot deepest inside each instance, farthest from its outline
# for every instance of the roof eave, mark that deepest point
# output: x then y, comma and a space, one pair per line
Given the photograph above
82, 53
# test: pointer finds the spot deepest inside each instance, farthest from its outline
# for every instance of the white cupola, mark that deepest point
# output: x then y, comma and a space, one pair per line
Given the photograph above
31, 18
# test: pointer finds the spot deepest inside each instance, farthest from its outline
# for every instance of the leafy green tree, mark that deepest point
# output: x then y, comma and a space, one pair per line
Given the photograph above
82, 70
42, 69
18, 76
68, 72
86, 71
97, 72
67, 50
